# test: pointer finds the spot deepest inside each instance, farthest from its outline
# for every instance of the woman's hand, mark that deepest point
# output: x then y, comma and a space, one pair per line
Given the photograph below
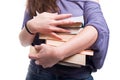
46, 23
47, 55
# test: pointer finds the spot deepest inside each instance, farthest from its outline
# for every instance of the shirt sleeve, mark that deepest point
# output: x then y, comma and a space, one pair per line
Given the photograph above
26, 17
93, 16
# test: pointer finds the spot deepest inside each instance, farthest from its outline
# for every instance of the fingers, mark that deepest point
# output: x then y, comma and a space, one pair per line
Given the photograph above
35, 55
44, 65
62, 16
38, 47
53, 34
58, 29
37, 62
62, 22
32, 56
55, 16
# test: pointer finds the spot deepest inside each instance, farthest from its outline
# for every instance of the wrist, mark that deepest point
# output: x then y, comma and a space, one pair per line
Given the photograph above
29, 29
65, 51
60, 53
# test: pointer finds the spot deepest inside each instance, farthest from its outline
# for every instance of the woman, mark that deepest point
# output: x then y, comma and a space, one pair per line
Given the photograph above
53, 13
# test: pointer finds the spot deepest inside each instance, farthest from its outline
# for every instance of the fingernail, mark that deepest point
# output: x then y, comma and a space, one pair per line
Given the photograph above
37, 62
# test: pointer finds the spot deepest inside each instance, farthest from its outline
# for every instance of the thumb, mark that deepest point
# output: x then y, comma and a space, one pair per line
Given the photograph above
37, 47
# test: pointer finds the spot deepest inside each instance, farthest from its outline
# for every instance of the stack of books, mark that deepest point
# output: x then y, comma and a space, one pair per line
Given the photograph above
75, 60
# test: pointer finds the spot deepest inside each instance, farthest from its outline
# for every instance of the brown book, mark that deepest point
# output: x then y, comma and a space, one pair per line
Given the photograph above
76, 60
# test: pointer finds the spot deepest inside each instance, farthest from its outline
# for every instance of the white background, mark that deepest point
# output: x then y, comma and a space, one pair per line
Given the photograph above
13, 57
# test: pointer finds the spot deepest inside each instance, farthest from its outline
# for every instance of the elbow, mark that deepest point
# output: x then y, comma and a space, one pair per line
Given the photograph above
22, 41
23, 44
93, 32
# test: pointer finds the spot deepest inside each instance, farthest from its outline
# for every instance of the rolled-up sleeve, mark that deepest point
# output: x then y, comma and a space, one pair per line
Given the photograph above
93, 16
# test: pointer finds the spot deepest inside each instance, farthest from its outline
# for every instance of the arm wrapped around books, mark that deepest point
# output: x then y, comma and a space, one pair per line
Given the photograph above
77, 59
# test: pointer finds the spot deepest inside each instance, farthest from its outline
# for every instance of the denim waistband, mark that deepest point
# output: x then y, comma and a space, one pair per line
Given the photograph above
60, 71
64, 69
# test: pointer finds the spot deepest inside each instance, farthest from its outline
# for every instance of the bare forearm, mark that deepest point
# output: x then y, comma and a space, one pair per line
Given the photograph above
25, 38
83, 40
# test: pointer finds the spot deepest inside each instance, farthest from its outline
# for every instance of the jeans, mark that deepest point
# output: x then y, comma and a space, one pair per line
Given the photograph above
58, 72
